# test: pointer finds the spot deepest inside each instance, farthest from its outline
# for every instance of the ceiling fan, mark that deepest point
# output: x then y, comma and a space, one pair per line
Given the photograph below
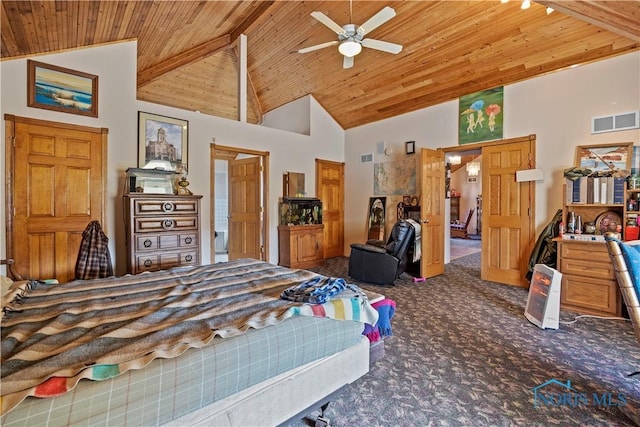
351, 36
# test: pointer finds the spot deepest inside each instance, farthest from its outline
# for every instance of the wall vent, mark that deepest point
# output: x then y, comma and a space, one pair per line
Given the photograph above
366, 158
616, 122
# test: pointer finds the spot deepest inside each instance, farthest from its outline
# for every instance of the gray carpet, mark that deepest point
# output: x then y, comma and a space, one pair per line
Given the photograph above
463, 354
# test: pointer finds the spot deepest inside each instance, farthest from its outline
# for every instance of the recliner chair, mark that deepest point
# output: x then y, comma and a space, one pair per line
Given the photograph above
382, 264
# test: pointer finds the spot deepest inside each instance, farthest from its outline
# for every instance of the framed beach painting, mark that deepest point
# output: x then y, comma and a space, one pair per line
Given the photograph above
604, 157
61, 89
162, 142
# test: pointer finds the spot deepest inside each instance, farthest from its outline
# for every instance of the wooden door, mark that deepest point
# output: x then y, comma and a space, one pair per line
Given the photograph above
330, 189
431, 172
245, 211
57, 186
508, 211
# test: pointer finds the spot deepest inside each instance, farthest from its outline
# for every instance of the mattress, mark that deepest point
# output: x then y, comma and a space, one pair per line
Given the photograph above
168, 389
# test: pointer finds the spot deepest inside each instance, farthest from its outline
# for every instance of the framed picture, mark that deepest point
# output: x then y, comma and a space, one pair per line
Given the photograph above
481, 115
162, 142
410, 147
60, 89
604, 157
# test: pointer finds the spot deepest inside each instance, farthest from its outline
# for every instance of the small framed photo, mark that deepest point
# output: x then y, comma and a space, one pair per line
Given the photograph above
162, 142
604, 157
60, 89
410, 147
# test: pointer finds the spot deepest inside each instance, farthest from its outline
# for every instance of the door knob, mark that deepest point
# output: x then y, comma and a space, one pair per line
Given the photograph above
424, 221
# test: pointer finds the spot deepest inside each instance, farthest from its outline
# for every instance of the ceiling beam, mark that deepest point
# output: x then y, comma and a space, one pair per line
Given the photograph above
196, 53
599, 13
260, 10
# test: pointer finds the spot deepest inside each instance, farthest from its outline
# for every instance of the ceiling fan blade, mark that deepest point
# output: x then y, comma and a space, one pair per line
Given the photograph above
348, 62
318, 46
376, 20
382, 45
328, 22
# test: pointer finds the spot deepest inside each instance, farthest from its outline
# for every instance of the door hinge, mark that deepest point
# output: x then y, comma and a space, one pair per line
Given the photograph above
13, 141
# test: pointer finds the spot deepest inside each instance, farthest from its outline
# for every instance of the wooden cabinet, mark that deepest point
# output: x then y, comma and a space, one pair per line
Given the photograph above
161, 231
455, 209
588, 282
300, 246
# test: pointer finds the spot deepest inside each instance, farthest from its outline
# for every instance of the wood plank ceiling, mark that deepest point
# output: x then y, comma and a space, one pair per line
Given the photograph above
188, 58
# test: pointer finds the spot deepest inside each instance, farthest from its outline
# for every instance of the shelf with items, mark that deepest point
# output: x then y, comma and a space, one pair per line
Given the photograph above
631, 215
595, 218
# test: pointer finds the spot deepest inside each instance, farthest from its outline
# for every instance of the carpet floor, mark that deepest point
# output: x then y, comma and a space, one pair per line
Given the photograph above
463, 354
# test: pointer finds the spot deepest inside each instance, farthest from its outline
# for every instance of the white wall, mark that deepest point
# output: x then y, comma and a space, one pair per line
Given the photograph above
557, 107
115, 65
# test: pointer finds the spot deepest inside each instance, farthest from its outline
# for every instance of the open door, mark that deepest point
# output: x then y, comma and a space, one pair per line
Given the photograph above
508, 211
244, 208
248, 193
431, 172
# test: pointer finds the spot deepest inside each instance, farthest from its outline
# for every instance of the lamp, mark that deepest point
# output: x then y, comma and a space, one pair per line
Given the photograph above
526, 4
350, 48
473, 168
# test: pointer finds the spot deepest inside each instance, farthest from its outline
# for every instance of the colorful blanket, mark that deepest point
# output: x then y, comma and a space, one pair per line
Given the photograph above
56, 335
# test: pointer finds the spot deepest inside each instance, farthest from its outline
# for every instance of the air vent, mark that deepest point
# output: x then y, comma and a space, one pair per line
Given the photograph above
366, 158
616, 123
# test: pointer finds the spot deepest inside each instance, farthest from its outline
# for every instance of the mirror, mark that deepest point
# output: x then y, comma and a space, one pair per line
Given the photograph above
293, 185
376, 218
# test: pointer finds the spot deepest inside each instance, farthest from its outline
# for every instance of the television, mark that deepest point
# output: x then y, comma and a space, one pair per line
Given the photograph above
543, 302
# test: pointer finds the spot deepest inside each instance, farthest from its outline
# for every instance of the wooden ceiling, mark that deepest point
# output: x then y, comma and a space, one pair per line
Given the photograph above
188, 56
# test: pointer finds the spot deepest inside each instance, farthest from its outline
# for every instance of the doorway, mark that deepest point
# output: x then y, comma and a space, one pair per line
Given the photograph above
239, 193
507, 220
465, 202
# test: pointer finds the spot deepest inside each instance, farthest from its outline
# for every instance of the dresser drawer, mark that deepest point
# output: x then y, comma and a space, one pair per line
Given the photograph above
175, 206
165, 260
585, 293
584, 268
165, 223
583, 250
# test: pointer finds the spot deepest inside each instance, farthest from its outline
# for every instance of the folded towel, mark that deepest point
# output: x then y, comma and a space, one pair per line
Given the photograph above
386, 308
315, 291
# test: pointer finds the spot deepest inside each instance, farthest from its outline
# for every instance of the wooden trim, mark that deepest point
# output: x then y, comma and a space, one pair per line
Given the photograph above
265, 214
48, 123
9, 139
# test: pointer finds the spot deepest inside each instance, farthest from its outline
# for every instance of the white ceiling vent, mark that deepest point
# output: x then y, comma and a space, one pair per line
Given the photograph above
366, 158
615, 123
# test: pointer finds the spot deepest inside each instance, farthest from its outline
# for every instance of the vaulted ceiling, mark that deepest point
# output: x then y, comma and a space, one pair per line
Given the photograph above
188, 54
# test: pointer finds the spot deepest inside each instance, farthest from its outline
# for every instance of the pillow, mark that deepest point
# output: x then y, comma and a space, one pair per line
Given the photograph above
631, 255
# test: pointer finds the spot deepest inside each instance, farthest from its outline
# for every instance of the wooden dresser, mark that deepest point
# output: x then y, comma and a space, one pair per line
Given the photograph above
588, 279
161, 231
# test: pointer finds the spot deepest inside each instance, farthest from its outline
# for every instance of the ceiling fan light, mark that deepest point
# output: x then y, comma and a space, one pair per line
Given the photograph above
350, 48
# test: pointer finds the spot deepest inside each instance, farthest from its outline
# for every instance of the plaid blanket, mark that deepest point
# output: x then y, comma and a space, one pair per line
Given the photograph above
56, 335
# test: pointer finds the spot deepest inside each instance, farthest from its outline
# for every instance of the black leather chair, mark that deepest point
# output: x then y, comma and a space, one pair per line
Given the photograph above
382, 264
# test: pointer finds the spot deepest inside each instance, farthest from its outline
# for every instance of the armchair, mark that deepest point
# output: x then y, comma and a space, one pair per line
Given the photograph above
625, 257
379, 263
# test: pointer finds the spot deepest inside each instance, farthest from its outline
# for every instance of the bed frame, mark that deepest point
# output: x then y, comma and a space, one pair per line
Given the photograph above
288, 396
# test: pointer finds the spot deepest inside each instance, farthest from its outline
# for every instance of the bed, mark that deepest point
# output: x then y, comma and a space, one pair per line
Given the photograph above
208, 345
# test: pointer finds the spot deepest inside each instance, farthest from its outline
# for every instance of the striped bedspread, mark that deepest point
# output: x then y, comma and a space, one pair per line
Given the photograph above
56, 335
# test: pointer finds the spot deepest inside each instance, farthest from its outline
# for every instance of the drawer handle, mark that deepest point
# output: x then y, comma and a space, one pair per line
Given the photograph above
167, 207
188, 258
148, 263
147, 243
167, 223
188, 240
